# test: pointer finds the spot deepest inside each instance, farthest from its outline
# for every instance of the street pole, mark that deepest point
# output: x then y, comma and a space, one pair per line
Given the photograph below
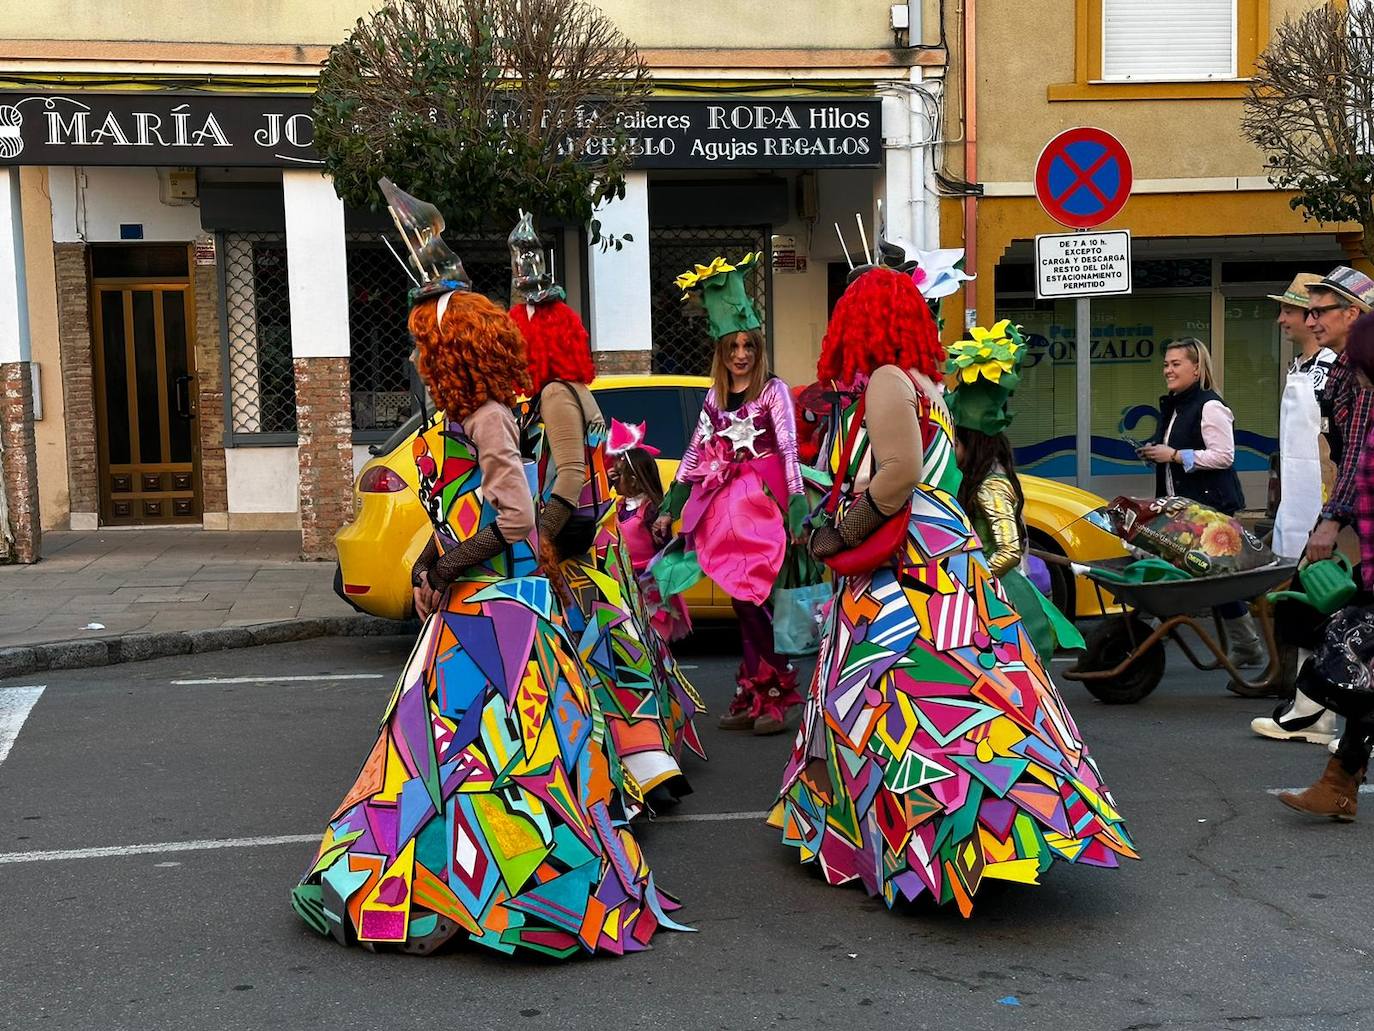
1083, 393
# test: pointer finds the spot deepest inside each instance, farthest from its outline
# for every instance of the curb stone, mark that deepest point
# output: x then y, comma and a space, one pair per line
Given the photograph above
22, 660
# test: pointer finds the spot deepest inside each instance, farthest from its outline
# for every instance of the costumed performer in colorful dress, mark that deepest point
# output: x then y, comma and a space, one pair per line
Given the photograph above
487, 805
739, 492
638, 683
935, 752
986, 371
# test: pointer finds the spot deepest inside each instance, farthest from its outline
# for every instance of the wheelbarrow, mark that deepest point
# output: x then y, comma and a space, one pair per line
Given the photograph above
1124, 658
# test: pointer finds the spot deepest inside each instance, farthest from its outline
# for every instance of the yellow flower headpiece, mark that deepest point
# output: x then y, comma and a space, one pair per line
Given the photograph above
700, 273
991, 354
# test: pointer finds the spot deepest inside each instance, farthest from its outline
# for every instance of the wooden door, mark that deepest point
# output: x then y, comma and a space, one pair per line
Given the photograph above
145, 375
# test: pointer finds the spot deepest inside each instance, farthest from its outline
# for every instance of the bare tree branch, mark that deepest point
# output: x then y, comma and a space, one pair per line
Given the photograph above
1310, 110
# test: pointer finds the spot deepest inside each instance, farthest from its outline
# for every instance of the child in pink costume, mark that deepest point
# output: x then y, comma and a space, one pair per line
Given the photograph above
637, 481
739, 491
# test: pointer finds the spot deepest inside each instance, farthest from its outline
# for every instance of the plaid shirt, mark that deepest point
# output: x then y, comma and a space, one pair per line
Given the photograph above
1364, 508
1351, 406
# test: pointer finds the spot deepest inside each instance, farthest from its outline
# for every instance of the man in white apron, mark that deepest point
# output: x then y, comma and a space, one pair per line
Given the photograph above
1301, 491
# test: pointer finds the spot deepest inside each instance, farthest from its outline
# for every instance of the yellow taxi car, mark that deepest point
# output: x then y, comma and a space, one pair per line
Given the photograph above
390, 529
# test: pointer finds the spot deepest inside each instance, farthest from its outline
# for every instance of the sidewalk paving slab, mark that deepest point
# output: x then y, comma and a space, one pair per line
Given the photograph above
122, 595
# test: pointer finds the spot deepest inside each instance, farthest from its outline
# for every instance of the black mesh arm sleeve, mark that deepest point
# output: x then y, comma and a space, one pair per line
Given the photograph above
860, 522
554, 516
481, 546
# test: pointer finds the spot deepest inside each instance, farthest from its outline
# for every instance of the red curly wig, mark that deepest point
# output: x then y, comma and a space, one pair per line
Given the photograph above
475, 356
882, 319
556, 342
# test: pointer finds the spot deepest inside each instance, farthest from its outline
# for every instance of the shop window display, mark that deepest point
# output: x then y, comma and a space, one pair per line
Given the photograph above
1128, 338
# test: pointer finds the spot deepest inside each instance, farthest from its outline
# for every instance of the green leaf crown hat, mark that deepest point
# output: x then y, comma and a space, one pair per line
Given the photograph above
986, 369
722, 293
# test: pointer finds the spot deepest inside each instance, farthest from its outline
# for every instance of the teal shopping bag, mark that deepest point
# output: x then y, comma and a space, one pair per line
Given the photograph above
798, 601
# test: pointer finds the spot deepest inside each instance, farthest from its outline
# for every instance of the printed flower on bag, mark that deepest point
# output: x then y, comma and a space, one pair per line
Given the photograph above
717, 463
992, 354
1221, 539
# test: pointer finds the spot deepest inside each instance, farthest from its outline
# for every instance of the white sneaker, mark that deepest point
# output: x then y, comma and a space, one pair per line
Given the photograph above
1319, 728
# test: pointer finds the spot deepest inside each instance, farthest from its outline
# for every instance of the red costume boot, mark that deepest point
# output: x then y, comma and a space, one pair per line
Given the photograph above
744, 707
777, 693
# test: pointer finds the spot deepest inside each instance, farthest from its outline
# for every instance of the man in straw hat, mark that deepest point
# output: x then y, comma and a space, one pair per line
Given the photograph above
1334, 303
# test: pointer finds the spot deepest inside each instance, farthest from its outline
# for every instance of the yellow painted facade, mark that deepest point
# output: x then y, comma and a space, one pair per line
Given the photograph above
1211, 237
265, 46
707, 24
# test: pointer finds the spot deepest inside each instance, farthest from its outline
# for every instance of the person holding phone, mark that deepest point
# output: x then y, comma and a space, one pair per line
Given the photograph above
1194, 454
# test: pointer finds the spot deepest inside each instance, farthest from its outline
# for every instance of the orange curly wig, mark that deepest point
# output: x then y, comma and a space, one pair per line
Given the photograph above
476, 356
556, 342
882, 319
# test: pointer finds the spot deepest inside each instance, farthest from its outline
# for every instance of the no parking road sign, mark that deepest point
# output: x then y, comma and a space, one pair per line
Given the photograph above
1083, 177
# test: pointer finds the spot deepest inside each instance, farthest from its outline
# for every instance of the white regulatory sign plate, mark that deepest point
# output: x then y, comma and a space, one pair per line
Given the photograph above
1089, 264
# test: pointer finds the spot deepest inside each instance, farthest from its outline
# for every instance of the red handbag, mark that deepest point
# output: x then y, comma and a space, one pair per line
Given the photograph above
883, 545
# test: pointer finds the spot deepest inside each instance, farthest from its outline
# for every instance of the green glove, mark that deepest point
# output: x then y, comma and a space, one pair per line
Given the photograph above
797, 511
674, 499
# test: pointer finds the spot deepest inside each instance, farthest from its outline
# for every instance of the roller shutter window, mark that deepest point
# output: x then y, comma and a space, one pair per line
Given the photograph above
1168, 40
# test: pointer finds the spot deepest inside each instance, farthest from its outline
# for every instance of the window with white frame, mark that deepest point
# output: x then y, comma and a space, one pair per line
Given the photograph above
1168, 40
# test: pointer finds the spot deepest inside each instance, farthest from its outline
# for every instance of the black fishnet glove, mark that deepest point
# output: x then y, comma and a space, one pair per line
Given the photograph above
825, 542
481, 546
425, 562
554, 516
860, 522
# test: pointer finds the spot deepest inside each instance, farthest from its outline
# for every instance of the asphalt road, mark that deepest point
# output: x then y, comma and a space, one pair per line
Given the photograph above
1241, 915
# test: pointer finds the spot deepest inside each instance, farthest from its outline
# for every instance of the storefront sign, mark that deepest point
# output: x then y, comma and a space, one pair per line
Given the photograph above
278, 131
785, 256
205, 250
1083, 264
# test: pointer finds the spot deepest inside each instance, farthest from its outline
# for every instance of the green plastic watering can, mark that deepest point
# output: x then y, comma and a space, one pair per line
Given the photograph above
1326, 585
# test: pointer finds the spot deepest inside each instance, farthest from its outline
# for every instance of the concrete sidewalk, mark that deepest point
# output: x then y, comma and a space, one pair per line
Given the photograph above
113, 582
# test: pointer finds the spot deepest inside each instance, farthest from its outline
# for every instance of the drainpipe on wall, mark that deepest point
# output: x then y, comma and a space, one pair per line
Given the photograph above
970, 160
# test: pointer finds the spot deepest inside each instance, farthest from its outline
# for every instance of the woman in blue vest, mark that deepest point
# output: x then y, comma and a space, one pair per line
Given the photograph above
1194, 452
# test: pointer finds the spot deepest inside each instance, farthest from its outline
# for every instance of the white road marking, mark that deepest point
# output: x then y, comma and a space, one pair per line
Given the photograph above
15, 704
709, 817
278, 680
1365, 789
109, 851
216, 844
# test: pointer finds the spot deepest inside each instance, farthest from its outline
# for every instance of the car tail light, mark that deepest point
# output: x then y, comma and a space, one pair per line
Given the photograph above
356, 588
380, 480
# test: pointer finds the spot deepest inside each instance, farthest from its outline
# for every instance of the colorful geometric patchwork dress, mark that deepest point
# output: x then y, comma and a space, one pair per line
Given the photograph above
487, 804
935, 752
648, 703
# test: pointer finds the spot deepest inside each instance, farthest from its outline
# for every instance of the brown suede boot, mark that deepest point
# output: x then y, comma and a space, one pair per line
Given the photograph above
1336, 794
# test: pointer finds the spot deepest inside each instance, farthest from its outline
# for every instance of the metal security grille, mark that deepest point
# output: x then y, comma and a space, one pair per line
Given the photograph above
255, 326
255, 320
681, 343
379, 369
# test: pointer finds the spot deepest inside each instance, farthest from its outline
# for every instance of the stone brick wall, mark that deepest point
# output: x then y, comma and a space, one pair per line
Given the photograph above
78, 381
623, 362
214, 488
324, 429
20, 464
